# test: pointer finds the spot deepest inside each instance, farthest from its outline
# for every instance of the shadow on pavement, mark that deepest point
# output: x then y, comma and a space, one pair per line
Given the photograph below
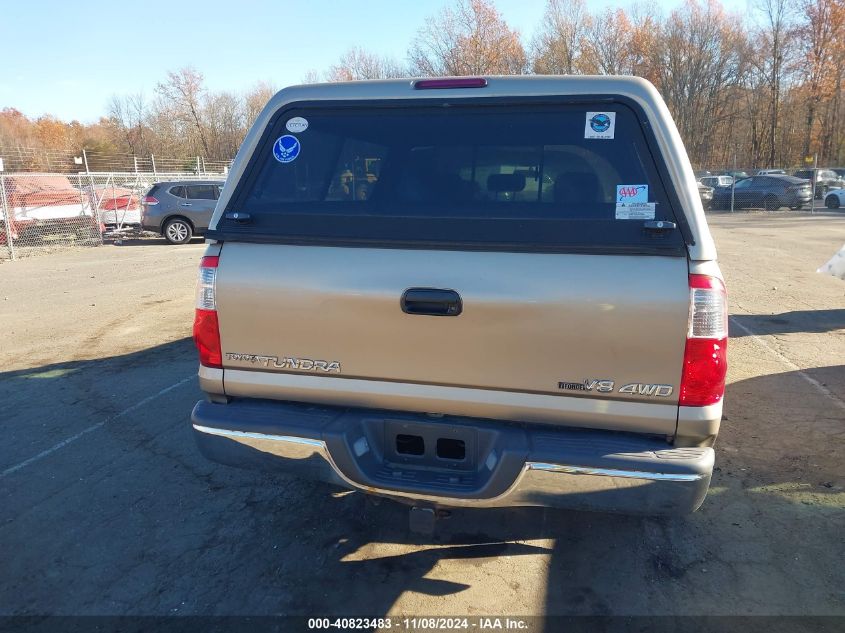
133, 520
815, 321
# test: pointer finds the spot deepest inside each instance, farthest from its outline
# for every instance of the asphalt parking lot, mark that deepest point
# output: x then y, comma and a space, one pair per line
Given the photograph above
107, 508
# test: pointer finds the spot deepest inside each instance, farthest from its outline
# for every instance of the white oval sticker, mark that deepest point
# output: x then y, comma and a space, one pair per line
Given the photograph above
297, 124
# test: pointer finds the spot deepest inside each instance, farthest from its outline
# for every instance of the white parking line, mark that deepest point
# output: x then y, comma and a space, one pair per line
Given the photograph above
93, 427
783, 359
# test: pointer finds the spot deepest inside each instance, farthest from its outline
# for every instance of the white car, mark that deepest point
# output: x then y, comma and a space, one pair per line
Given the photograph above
835, 199
770, 172
716, 181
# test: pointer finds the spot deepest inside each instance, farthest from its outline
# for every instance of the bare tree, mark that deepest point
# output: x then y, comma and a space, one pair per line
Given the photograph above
256, 99
557, 48
756, 104
699, 64
311, 76
469, 38
775, 38
225, 123
646, 26
127, 114
184, 91
608, 47
357, 63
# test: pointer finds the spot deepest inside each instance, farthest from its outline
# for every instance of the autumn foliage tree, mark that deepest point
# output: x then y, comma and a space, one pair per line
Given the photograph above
468, 38
762, 89
823, 62
560, 46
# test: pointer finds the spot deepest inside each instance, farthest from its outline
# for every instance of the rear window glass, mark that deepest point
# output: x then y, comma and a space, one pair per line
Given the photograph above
178, 191
465, 174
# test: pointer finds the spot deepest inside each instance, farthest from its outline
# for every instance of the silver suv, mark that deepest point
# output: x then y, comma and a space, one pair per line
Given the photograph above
466, 292
178, 210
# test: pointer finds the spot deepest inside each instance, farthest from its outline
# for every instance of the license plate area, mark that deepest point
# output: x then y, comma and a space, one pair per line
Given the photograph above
435, 445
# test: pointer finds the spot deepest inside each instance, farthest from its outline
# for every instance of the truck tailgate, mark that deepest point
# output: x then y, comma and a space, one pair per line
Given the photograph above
536, 336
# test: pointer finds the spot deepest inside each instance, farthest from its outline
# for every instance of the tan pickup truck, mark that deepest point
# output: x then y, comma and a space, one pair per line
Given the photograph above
466, 292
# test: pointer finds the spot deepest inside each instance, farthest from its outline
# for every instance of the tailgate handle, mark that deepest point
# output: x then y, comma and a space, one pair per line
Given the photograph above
431, 301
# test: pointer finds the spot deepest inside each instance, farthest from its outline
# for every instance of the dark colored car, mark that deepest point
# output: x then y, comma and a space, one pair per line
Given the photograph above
178, 210
826, 179
764, 192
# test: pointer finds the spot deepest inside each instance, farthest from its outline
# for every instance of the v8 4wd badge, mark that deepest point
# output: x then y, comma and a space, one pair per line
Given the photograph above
607, 386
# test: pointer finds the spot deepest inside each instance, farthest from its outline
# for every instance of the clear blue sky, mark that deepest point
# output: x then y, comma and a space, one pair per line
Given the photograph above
67, 58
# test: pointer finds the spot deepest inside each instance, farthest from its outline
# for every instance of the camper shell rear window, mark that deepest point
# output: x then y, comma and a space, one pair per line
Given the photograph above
490, 176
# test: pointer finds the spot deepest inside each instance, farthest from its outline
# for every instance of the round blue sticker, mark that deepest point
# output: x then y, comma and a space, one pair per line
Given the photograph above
286, 148
600, 123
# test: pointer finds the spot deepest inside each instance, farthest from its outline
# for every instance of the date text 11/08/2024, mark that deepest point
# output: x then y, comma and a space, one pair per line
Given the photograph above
421, 624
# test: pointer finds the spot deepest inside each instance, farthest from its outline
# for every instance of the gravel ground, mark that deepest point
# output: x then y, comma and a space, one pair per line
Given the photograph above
108, 509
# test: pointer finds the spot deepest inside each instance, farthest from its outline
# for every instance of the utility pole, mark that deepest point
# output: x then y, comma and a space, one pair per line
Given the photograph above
7, 217
813, 184
733, 183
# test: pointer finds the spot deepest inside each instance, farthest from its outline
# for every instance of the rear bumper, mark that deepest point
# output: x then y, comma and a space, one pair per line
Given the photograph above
794, 198
506, 464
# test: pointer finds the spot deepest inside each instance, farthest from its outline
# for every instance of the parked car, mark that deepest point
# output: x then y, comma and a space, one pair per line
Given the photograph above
825, 179
835, 199
764, 192
48, 207
701, 174
716, 181
735, 174
706, 194
839, 171
117, 206
770, 172
178, 210
444, 339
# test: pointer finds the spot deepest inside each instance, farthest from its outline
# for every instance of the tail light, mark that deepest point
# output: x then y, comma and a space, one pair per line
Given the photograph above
206, 326
705, 356
150, 200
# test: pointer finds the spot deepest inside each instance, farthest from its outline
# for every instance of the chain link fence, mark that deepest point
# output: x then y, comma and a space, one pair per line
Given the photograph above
39, 160
45, 212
